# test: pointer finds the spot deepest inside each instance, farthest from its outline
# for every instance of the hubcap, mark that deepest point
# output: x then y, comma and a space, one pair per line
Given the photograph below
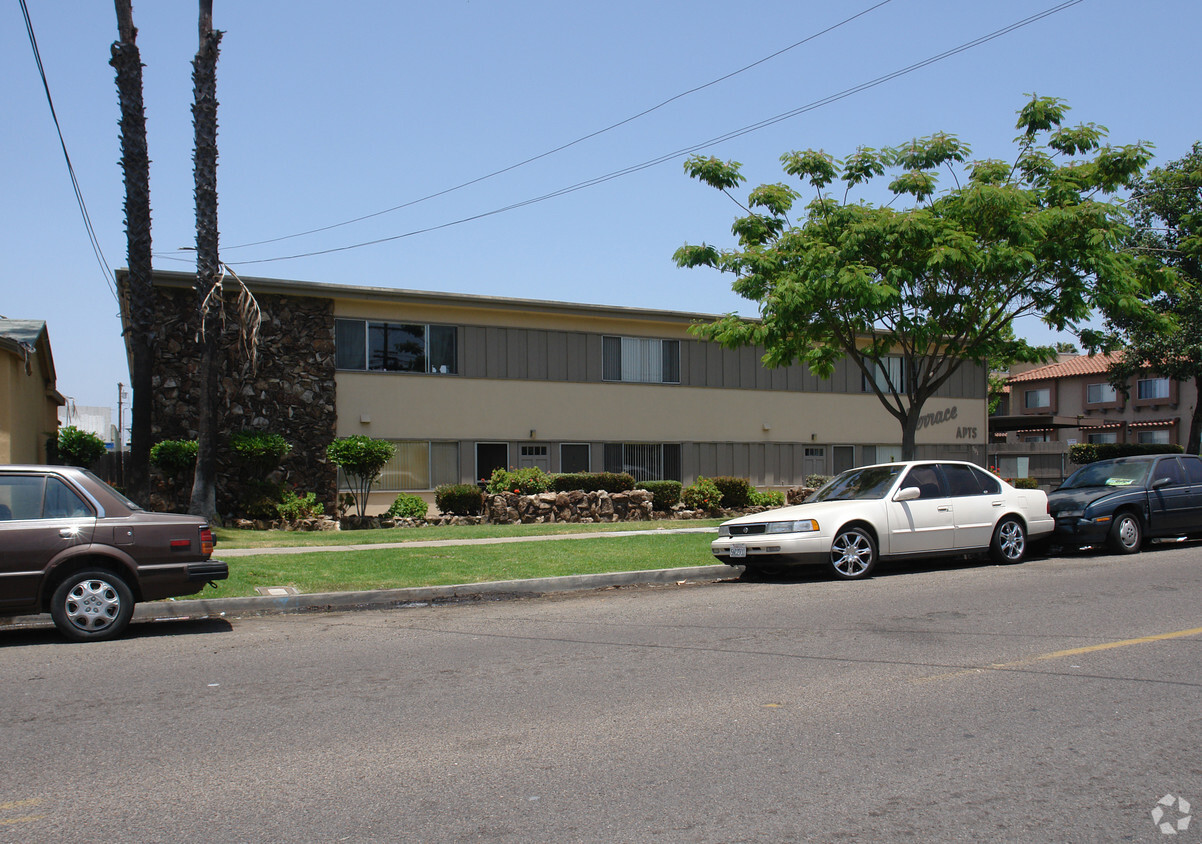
1128, 531
93, 605
1011, 540
852, 554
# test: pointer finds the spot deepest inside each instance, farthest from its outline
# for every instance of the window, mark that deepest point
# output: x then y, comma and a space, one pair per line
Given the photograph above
1160, 437
1100, 394
1039, 398
640, 360
1104, 437
891, 370
33, 497
1153, 388
646, 461
395, 347
1040, 437
418, 465
574, 457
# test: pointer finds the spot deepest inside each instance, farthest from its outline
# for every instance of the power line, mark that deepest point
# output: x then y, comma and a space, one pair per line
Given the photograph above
569, 144
754, 127
83, 208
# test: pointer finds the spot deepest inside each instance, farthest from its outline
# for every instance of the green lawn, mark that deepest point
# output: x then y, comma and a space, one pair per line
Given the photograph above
332, 570
234, 538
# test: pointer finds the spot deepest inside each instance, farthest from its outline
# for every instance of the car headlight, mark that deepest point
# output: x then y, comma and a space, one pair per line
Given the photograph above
802, 526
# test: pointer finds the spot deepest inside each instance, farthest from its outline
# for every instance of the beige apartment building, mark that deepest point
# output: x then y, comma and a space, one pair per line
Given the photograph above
29, 400
463, 384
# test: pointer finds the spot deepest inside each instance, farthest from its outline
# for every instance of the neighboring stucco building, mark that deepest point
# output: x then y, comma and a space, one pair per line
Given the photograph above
1049, 408
463, 384
29, 400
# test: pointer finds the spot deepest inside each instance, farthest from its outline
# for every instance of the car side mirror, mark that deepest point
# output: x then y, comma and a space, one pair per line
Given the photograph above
910, 493
1159, 482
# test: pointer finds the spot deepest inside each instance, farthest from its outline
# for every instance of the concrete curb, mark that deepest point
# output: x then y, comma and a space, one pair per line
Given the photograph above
393, 598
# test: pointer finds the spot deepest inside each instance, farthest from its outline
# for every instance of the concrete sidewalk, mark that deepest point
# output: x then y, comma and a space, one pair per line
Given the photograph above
198, 608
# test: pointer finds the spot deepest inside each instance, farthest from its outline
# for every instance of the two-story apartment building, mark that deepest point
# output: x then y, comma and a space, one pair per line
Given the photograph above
1051, 407
462, 384
29, 399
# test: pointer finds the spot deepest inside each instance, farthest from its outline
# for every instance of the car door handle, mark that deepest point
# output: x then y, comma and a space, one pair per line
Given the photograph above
67, 533
945, 509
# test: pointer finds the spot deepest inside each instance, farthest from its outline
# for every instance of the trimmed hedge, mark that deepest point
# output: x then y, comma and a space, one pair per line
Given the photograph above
736, 492
664, 494
593, 482
1082, 453
459, 499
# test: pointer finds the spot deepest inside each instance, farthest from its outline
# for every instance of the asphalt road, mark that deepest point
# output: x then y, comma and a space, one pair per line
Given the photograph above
1058, 700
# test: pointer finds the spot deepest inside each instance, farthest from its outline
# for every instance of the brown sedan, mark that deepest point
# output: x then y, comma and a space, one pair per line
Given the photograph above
74, 547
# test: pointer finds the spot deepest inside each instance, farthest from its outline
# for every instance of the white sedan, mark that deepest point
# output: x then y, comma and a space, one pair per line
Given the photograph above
920, 508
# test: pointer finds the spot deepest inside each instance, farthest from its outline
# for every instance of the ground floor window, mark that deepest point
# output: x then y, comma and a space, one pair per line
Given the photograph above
1160, 437
1104, 437
574, 457
645, 461
490, 456
420, 465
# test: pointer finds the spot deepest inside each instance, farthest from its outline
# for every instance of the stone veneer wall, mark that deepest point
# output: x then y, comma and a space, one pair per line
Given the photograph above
291, 392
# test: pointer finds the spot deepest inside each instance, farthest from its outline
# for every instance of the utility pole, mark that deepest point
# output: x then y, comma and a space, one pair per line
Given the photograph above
120, 434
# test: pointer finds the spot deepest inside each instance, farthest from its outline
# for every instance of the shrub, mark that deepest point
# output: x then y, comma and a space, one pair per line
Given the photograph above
459, 499
664, 494
361, 459
292, 508
407, 506
815, 481
526, 481
703, 495
593, 482
175, 457
767, 498
259, 452
1082, 453
736, 492
1025, 483
79, 448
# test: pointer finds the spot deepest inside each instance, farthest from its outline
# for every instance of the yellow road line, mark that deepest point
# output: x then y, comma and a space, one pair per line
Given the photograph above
19, 804
1105, 646
29, 819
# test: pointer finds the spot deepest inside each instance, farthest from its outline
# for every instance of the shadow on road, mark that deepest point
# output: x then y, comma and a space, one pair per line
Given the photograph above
23, 637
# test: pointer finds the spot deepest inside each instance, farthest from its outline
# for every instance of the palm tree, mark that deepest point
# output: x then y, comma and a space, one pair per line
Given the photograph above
135, 162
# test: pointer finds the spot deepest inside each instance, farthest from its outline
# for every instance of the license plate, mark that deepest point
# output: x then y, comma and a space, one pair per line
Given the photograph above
737, 552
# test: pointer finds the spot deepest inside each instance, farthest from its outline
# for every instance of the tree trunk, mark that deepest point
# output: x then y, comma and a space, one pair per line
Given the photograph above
135, 163
1193, 445
208, 262
910, 432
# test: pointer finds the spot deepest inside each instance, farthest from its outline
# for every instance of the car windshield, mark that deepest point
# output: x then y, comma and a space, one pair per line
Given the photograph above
857, 484
1108, 474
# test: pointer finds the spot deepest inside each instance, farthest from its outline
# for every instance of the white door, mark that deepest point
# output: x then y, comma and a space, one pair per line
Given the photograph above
926, 523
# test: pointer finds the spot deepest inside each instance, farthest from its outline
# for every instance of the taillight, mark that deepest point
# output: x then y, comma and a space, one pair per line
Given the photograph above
206, 541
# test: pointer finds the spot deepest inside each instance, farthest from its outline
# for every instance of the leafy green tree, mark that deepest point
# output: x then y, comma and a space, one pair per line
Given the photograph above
361, 459
1167, 205
79, 448
933, 278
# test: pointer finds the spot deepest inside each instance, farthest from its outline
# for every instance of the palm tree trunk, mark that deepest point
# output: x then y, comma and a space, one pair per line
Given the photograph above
208, 262
135, 162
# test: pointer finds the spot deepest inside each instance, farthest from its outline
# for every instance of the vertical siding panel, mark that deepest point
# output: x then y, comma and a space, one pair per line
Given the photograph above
557, 355
537, 355
515, 353
495, 343
593, 358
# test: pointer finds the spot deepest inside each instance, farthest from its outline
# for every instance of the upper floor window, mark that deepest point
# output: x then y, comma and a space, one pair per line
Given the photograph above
1153, 388
1100, 394
641, 359
890, 370
1041, 397
395, 347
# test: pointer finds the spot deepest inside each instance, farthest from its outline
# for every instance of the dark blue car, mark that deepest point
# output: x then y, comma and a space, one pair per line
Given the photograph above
1124, 502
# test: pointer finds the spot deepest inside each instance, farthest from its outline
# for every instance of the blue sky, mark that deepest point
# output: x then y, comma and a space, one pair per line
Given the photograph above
334, 112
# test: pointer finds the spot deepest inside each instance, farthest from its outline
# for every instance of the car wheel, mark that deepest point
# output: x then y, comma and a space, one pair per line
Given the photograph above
1009, 543
853, 554
1126, 534
92, 605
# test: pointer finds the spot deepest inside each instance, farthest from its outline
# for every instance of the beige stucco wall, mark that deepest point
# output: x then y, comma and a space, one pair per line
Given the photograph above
27, 414
402, 406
